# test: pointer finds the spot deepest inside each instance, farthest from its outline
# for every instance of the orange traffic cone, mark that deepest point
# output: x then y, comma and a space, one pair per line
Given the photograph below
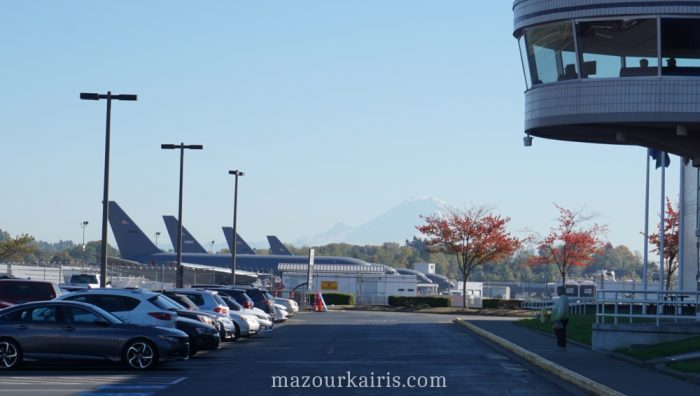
319, 305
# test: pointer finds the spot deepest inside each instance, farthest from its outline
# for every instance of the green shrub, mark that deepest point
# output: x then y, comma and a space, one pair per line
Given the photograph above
398, 301
493, 303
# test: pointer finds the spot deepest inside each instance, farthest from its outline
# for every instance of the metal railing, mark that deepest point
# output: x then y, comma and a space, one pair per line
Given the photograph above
577, 305
647, 306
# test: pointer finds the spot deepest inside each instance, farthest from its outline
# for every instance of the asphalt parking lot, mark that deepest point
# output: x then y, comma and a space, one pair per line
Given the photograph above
386, 350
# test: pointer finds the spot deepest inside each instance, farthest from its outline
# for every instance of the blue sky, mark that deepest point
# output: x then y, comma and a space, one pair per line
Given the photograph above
336, 111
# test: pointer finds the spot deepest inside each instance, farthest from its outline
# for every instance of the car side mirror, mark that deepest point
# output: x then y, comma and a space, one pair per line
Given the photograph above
101, 322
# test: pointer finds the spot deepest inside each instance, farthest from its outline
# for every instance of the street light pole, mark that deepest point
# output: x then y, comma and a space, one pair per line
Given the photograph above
181, 147
157, 234
211, 249
105, 198
235, 215
84, 224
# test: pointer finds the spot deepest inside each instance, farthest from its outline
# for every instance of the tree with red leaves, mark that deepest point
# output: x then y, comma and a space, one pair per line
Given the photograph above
569, 244
475, 236
670, 242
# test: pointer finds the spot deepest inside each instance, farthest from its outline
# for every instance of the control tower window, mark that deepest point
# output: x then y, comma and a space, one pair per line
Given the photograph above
526, 62
680, 47
551, 53
618, 48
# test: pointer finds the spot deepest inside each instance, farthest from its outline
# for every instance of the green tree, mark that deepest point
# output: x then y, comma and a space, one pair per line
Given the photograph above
14, 248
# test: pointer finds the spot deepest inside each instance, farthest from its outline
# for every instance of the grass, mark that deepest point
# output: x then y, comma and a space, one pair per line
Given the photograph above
665, 349
688, 366
579, 329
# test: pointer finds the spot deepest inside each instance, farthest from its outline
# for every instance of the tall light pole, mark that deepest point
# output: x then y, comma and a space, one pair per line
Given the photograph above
157, 234
211, 248
105, 198
235, 213
181, 147
84, 224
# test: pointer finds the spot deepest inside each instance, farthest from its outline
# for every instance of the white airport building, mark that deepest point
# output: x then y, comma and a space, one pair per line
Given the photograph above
371, 285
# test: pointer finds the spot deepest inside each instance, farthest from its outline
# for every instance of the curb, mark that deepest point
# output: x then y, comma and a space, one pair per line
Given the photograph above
547, 365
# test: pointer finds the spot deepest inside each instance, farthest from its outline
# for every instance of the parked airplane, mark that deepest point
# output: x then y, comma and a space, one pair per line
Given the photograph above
189, 244
241, 246
134, 245
277, 247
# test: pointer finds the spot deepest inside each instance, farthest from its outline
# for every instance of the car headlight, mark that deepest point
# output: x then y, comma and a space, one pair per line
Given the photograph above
169, 338
200, 330
205, 319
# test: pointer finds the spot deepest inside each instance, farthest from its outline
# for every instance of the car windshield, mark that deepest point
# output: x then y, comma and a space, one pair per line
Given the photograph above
83, 278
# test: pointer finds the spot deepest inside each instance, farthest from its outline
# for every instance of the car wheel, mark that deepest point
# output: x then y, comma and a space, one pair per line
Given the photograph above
10, 355
236, 332
140, 355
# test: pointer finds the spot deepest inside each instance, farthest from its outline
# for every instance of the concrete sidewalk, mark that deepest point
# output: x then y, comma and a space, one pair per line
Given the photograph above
625, 377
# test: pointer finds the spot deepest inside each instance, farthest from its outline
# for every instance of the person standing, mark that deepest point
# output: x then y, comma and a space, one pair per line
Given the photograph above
560, 316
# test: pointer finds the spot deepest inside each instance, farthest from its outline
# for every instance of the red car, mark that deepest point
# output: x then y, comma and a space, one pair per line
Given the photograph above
18, 291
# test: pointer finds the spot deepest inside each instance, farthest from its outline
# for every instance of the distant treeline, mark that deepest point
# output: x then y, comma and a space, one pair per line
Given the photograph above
625, 263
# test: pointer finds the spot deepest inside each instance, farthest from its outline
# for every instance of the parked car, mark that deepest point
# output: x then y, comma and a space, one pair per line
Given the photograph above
209, 301
281, 313
88, 281
264, 320
260, 298
136, 306
201, 336
18, 291
225, 327
72, 330
239, 295
290, 305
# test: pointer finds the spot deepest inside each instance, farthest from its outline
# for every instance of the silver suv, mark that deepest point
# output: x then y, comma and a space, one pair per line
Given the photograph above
209, 300
136, 306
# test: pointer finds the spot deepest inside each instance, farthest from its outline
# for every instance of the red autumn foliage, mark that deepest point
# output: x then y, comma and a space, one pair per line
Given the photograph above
475, 236
670, 242
569, 243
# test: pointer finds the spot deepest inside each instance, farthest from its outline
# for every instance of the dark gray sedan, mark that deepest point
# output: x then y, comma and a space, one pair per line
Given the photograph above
60, 330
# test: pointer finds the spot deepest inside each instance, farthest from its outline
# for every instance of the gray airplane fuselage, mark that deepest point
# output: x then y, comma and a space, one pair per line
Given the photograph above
246, 262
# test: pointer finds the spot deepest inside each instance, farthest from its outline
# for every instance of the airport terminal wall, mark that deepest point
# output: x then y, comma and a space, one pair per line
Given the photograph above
617, 72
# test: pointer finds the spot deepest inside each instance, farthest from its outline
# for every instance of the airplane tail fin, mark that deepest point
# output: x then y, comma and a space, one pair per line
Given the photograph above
277, 247
189, 243
131, 241
241, 246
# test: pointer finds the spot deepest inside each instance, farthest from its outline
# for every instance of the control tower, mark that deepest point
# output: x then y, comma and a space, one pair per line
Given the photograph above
618, 72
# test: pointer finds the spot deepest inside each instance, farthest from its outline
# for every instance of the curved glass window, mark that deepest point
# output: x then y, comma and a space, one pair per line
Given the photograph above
618, 48
526, 63
680, 47
551, 53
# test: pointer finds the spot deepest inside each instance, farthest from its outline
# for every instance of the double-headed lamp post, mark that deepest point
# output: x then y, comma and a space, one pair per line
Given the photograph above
105, 198
235, 212
181, 147
84, 224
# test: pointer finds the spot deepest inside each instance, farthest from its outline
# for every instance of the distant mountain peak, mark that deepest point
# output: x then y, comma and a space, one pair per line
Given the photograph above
395, 225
